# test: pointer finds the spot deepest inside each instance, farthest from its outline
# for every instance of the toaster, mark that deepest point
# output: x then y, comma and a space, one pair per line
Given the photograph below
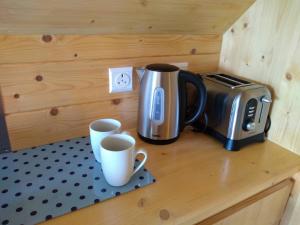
237, 110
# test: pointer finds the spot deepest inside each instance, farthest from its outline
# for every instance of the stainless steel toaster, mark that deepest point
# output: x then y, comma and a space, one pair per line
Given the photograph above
237, 110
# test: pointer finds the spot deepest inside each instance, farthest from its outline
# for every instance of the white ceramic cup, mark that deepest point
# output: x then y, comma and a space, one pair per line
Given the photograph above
118, 157
99, 129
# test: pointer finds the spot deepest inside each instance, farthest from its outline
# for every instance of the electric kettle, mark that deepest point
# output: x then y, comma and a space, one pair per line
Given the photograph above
162, 112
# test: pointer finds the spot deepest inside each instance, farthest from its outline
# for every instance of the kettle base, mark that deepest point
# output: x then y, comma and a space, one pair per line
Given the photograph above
158, 142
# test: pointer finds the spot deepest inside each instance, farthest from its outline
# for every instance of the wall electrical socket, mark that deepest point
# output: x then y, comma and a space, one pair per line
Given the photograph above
120, 79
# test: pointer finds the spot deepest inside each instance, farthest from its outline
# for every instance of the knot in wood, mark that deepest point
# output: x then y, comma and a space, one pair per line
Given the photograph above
144, 2
39, 78
289, 76
54, 111
47, 38
16, 95
116, 101
141, 202
164, 214
193, 51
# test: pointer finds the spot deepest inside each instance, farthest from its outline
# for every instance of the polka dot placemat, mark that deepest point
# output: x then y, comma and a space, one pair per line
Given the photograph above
51, 180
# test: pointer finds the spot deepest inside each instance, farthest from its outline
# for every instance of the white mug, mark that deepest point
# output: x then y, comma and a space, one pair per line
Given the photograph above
118, 157
99, 129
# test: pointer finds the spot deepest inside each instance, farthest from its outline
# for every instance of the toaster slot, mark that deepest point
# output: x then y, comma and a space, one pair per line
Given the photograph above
224, 80
235, 79
228, 80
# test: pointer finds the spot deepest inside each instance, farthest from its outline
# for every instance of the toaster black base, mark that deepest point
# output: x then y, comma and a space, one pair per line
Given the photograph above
158, 142
235, 145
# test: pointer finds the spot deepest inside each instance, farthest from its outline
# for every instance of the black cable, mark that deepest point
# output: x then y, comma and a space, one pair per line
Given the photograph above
201, 124
268, 124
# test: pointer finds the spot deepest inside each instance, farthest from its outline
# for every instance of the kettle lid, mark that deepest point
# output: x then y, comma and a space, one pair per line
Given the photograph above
159, 67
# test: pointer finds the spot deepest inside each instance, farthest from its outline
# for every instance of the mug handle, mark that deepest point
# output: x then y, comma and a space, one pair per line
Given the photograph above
144, 152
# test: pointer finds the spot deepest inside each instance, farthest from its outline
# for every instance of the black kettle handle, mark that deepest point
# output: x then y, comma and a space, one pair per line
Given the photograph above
185, 77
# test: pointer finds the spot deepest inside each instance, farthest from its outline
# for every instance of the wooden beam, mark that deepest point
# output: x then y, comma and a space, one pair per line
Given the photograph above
265, 207
119, 16
56, 48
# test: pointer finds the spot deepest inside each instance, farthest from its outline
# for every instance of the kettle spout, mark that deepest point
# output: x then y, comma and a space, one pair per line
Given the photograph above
140, 72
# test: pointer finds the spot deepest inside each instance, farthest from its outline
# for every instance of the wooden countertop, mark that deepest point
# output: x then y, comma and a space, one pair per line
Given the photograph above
196, 178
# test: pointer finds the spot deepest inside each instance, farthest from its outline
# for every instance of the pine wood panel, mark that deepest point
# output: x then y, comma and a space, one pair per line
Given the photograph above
75, 82
54, 48
42, 73
292, 212
264, 208
76, 89
195, 179
119, 16
264, 45
59, 123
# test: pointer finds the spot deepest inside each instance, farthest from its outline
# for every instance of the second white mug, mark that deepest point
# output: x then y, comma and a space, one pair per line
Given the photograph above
99, 129
118, 157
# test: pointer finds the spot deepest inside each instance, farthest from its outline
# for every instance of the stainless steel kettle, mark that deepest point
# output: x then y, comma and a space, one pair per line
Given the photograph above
163, 102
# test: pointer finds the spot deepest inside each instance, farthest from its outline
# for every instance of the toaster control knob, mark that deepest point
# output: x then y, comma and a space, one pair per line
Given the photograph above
250, 126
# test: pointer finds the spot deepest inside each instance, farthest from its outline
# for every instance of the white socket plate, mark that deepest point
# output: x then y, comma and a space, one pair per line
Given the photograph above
114, 77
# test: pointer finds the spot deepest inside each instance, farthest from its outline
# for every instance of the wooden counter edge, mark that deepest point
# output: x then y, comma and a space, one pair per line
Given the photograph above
247, 202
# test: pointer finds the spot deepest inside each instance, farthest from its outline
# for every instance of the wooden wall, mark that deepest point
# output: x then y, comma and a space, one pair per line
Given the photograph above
264, 45
119, 16
54, 86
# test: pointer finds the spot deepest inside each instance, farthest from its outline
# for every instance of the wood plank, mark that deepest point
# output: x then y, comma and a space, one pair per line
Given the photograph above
119, 16
67, 83
292, 212
33, 48
265, 208
264, 45
195, 179
45, 126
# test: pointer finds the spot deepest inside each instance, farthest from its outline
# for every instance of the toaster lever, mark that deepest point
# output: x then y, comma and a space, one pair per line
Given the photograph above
265, 99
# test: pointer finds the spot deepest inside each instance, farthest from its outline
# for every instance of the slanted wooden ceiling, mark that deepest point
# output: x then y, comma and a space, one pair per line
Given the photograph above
119, 16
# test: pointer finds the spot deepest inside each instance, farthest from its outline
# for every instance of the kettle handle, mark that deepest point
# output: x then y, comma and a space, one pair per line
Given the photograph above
185, 77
